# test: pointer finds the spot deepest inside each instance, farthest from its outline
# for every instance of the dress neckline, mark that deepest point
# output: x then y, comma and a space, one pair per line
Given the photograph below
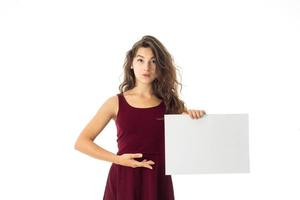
138, 107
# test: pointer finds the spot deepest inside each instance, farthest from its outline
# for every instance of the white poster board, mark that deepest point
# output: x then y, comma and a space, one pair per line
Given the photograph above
214, 143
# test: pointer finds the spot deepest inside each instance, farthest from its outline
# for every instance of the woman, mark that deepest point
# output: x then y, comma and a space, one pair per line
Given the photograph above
149, 91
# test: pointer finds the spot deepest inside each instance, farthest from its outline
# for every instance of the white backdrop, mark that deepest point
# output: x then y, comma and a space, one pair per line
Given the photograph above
60, 60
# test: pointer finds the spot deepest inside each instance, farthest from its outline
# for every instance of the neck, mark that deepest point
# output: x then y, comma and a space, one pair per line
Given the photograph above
143, 90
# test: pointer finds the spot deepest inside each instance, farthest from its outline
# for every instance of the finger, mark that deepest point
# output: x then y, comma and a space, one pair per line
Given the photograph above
198, 114
190, 113
137, 164
136, 155
150, 162
202, 113
143, 164
194, 115
148, 166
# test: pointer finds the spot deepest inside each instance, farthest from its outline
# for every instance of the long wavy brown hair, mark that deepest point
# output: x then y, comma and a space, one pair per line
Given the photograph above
165, 86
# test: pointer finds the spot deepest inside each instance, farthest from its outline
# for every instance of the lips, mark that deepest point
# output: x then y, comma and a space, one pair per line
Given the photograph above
146, 75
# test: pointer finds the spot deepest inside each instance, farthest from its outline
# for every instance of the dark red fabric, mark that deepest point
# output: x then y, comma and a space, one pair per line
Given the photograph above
140, 130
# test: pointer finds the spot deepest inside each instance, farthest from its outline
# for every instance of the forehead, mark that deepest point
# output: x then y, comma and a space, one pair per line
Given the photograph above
144, 52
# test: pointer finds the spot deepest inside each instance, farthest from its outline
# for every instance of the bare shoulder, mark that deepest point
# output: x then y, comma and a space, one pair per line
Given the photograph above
111, 106
105, 113
115, 106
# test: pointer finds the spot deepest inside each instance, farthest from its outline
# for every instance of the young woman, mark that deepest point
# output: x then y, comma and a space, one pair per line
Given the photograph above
149, 91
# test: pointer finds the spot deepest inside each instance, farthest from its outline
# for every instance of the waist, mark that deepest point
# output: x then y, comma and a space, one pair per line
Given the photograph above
120, 152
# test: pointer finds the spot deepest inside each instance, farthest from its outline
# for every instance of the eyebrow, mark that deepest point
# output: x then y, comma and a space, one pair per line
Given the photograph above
143, 56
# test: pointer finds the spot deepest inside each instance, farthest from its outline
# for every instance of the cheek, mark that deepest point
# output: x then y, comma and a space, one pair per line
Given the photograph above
138, 69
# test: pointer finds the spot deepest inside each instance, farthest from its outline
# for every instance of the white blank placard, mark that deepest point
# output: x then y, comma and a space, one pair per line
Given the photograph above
214, 143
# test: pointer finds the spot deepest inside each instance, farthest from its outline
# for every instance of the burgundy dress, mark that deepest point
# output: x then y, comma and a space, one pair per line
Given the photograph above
140, 130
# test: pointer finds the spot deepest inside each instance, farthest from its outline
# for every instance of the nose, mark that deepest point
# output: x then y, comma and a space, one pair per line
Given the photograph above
148, 65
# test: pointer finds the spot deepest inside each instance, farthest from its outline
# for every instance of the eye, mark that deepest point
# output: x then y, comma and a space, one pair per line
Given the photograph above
139, 60
154, 61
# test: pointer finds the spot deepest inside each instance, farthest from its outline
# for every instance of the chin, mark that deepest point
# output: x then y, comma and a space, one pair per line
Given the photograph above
146, 81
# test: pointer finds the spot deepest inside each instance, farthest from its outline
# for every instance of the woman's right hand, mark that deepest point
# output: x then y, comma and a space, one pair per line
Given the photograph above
128, 160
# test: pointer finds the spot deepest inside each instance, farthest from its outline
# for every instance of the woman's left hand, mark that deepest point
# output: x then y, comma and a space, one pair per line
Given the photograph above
195, 114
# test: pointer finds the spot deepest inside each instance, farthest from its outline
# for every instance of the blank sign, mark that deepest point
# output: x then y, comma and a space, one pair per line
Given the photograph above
214, 143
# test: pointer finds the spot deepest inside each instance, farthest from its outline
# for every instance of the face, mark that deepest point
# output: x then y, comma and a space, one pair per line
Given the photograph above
144, 65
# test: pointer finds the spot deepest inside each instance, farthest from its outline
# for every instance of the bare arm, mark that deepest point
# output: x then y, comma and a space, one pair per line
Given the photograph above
85, 141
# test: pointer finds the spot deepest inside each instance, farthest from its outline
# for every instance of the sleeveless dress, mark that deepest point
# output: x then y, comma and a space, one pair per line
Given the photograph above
139, 130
